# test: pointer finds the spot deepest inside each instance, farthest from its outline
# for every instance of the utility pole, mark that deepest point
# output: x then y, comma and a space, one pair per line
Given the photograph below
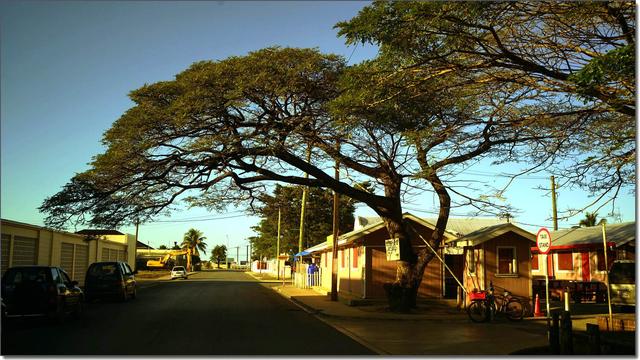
606, 268
247, 254
305, 190
334, 251
237, 255
226, 256
553, 203
278, 246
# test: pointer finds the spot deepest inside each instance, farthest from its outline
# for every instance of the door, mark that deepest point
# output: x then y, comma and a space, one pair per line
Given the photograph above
24, 251
586, 271
4, 252
456, 265
80, 263
70, 293
66, 257
128, 278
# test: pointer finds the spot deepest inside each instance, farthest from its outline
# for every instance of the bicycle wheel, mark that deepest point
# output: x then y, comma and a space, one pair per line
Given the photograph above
478, 311
514, 310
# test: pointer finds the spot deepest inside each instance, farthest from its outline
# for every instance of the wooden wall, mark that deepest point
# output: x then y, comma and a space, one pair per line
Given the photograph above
519, 284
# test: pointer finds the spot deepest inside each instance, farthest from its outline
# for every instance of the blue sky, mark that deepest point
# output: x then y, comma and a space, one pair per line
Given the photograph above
67, 67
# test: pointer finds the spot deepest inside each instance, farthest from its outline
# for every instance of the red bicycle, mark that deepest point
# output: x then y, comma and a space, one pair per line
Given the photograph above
484, 306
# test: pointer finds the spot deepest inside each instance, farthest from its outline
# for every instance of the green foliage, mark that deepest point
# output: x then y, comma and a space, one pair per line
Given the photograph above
218, 254
615, 67
318, 224
563, 69
162, 247
591, 219
194, 240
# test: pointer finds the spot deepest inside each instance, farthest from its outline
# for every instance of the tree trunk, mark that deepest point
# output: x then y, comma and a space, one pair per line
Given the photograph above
403, 292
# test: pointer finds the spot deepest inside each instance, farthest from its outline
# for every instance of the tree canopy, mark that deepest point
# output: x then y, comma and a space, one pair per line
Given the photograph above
194, 240
218, 254
542, 83
568, 66
318, 222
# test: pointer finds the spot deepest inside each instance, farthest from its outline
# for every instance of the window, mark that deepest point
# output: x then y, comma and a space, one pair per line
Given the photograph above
534, 262
65, 278
507, 261
355, 256
600, 259
471, 261
342, 262
565, 261
56, 276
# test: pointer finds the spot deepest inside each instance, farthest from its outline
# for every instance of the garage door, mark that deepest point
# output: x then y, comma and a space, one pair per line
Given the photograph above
4, 261
81, 262
105, 255
66, 258
121, 255
24, 251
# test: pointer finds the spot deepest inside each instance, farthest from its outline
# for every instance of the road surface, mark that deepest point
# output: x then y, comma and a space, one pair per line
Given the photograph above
211, 313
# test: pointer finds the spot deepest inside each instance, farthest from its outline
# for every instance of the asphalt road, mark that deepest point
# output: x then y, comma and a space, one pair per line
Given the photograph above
211, 313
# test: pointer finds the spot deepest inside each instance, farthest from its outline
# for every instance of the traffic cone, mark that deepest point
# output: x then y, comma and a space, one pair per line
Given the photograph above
536, 311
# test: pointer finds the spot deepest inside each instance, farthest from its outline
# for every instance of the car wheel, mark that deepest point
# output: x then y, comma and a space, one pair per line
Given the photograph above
123, 296
133, 294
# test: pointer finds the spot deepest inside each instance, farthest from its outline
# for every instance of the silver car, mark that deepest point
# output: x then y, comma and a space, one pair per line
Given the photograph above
178, 272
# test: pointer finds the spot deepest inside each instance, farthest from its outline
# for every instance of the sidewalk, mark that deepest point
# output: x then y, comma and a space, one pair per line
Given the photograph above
435, 328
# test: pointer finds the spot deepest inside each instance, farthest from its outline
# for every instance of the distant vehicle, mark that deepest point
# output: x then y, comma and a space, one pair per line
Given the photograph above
110, 279
622, 282
165, 261
178, 272
40, 291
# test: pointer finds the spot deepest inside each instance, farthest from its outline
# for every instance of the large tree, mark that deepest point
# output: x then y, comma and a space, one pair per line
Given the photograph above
568, 65
288, 200
218, 254
231, 128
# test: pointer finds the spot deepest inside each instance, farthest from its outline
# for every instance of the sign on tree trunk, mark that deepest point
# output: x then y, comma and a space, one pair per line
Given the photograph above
393, 249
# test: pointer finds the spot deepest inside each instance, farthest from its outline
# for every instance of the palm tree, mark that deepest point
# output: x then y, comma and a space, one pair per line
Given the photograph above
192, 242
590, 219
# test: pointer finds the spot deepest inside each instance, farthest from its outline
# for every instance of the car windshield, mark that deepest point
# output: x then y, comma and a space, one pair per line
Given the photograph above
623, 273
178, 269
103, 270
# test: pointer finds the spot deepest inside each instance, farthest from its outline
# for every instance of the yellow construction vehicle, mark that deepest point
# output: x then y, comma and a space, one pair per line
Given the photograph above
161, 263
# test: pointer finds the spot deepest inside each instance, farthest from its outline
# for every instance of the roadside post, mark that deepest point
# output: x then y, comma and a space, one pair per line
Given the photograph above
606, 262
543, 241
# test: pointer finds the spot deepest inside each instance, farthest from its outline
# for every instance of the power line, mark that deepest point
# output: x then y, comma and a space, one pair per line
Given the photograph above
196, 220
353, 51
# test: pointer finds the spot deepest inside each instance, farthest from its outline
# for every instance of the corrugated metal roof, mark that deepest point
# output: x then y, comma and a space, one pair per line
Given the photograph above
487, 233
464, 226
617, 233
455, 227
459, 226
362, 221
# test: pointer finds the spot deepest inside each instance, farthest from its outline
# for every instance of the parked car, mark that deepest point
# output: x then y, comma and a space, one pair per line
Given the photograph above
622, 282
178, 272
110, 279
40, 291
